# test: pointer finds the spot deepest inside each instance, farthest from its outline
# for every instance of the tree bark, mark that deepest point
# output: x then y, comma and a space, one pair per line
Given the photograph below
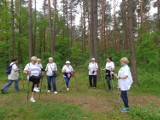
55, 21
103, 31
19, 31
35, 28
93, 29
12, 29
131, 38
50, 28
84, 27
30, 44
124, 21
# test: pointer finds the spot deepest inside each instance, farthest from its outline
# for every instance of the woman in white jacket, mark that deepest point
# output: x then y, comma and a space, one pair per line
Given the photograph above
93, 68
51, 71
124, 82
12, 77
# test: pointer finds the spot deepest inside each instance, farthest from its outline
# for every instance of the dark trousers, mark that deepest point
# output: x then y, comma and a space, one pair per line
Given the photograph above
108, 79
124, 98
35, 80
92, 80
53, 80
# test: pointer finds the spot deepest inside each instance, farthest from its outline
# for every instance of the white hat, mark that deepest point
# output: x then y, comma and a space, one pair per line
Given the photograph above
68, 62
93, 59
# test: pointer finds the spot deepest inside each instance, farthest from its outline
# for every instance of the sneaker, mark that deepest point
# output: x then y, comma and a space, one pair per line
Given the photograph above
55, 92
32, 100
124, 110
67, 89
94, 87
49, 91
36, 89
3, 91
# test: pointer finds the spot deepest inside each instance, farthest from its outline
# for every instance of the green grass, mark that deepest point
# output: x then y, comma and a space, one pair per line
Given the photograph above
81, 103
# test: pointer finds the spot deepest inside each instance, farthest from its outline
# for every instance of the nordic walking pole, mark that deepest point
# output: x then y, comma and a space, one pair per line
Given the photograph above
28, 91
40, 88
112, 82
46, 88
119, 98
22, 78
118, 94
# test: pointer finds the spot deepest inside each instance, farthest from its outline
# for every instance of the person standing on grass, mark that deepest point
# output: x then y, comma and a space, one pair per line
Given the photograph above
51, 72
67, 72
33, 71
109, 72
93, 68
124, 82
41, 67
12, 77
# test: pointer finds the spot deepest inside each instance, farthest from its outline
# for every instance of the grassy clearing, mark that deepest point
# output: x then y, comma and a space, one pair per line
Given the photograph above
81, 103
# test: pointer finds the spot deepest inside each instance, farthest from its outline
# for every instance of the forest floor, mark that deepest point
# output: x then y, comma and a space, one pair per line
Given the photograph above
80, 103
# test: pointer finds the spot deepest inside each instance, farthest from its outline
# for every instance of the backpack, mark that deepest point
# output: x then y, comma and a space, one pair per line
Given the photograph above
9, 69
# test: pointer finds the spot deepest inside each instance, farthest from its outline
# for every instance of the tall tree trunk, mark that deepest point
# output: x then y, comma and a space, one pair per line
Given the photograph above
93, 29
89, 35
19, 31
115, 37
84, 26
35, 28
6, 38
12, 29
55, 21
141, 12
50, 28
103, 31
44, 27
30, 44
124, 21
131, 38
71, 20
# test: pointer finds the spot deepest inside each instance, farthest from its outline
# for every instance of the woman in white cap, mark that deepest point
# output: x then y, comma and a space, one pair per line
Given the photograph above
51, 70
33, 74
93, 68
67, 72
109, 72
124, 82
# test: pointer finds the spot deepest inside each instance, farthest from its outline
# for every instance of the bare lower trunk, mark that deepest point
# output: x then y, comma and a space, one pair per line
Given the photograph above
131, 38
93, 31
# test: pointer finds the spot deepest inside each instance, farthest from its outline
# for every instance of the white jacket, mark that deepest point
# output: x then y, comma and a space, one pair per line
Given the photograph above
125, 84
14, 74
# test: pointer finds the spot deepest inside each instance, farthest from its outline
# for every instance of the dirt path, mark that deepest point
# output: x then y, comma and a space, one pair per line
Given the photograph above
100, 104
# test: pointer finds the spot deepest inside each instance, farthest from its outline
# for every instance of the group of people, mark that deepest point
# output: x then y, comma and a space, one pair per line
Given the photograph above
34, 70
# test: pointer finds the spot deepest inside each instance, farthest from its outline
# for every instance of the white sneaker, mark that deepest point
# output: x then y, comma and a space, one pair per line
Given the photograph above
36, 89
49, 91
32, 100
55, 92
67, 89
